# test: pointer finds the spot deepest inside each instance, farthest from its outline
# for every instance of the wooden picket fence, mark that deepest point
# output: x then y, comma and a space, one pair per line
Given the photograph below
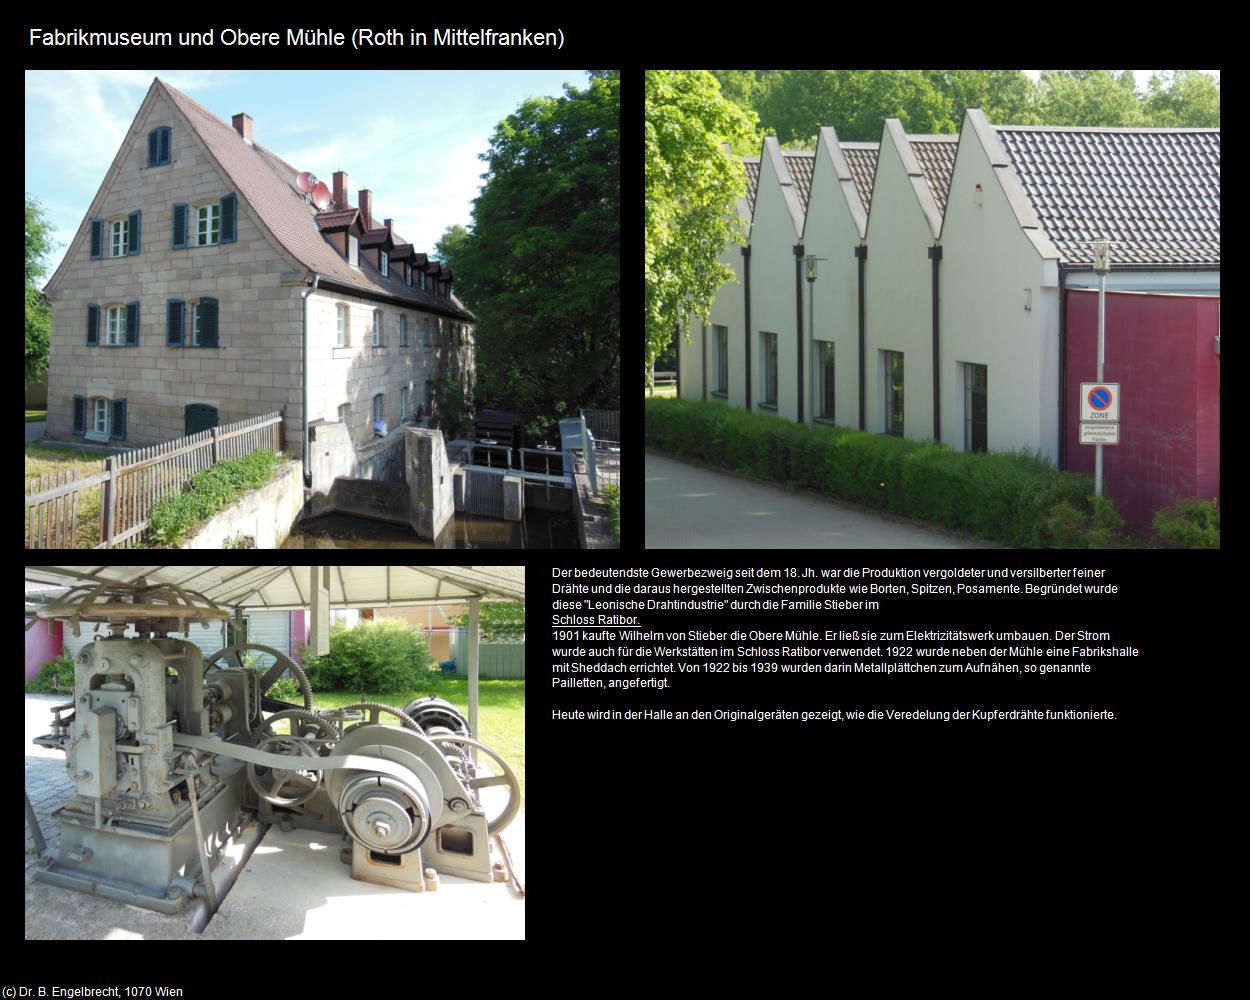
131, 483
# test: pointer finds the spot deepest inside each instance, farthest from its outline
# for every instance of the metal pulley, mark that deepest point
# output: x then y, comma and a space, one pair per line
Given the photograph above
385, 814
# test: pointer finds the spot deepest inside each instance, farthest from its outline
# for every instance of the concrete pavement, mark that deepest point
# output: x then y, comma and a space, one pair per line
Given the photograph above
689, 507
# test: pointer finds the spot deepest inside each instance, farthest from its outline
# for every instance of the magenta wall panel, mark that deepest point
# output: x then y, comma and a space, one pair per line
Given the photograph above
1161, 349
41, 646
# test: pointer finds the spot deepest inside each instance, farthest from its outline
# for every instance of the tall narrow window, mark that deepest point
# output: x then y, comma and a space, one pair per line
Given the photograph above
893, 392
208, 225
385, 258
341, 335
403, 330
377, 328
100, 420
722, 359
976, 411
344, 412
403, 404
378, 408
824, 379
115, 332
121, 238
768, 369
353, 250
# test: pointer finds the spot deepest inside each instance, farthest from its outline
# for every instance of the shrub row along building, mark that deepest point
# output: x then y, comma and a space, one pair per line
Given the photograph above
954, 296
205, 286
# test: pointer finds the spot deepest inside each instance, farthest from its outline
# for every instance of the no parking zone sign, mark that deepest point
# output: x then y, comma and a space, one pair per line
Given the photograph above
1100, 402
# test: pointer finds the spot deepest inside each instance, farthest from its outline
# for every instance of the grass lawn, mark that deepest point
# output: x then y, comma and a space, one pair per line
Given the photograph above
661, 390
45, 459
501, 721
33, 415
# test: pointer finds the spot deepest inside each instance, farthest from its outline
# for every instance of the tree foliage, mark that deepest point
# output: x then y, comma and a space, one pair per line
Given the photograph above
39, 244
1184, 99
540, 266
1089, 97
692, 187
499, 621
450, 244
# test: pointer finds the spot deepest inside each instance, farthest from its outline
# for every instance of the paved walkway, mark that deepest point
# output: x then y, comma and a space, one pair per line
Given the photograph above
689, 507
47, 782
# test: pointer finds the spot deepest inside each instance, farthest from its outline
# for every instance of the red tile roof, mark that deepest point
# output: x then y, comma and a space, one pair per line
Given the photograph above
266, 183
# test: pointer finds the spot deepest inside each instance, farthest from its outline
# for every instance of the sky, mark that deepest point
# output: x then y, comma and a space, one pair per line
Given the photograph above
411, 138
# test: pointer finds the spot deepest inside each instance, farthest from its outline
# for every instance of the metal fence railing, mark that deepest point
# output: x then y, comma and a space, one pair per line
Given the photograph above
127, 486
604, 424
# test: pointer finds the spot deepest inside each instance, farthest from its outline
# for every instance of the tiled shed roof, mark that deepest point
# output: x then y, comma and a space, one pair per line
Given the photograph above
801, 163
936, 156
267, 184
752, 164
1155, 192
861, 157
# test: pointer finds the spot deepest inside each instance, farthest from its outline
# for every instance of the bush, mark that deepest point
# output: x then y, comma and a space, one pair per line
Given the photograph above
59, 670
1013, 498
286, 689
210, 491
377, 656
1190, 524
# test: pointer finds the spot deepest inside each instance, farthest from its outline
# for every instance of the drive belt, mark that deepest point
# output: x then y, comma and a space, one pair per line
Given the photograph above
351, 761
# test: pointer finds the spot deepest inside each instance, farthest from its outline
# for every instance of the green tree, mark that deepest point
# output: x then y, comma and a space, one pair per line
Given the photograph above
541, 265
856, 103
692, 187
1089, 97
39, 244
500, 621
1007, 96
1183, 99
449, 247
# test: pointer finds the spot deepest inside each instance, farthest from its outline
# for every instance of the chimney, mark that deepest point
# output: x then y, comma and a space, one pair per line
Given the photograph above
243, 125
364, 201
340, 190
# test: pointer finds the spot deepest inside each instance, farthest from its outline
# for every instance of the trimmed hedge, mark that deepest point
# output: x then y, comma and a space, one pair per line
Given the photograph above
1190, 524
383, 655
1013, 498
210, 491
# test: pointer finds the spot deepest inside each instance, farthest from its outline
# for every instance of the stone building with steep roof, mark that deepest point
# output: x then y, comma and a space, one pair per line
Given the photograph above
204, 286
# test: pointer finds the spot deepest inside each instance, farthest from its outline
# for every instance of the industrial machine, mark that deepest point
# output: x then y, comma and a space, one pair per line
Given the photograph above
181, 764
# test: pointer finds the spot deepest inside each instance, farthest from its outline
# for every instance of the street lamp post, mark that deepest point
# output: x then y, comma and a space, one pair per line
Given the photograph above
809, 265
1102, 264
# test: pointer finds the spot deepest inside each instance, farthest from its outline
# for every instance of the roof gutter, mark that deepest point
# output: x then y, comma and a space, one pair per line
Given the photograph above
316, 280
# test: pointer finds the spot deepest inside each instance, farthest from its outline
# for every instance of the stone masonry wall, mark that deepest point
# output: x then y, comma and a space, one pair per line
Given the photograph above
255, 370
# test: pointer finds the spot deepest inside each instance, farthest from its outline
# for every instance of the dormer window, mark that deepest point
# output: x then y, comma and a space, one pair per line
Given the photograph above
353, 250
385, 265
408, 275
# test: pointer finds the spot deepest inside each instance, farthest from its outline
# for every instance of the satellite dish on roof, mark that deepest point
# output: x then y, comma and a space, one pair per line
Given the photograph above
321, 196
306, 182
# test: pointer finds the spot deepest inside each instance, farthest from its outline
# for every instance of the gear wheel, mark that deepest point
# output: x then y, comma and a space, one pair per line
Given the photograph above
325, 729
374, 708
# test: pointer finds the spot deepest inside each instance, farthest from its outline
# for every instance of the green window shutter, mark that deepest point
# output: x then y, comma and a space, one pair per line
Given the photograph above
208, 322
97, 238
228, 208
119, 420
154, 145
173, 327
180, 226
164, 151
80, 415
134, 232
93, 326
132, 324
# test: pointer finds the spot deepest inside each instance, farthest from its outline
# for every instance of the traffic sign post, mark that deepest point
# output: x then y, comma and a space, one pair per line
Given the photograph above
1100, 402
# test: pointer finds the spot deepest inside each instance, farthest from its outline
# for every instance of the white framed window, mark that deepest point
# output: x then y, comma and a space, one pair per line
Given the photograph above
120, 237
208, 225
115, 326
403, 330
196, 317
976, 408
341, 333
377, 328
386, 262
353, 250
403, 404
345, 412
893, 392
768, 369
379, 406
824, 379
100, 416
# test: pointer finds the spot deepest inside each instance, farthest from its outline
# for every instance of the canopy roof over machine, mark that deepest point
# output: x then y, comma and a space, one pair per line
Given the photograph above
286, 588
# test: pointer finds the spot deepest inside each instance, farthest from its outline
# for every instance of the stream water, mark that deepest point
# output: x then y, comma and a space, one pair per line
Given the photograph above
538, 530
